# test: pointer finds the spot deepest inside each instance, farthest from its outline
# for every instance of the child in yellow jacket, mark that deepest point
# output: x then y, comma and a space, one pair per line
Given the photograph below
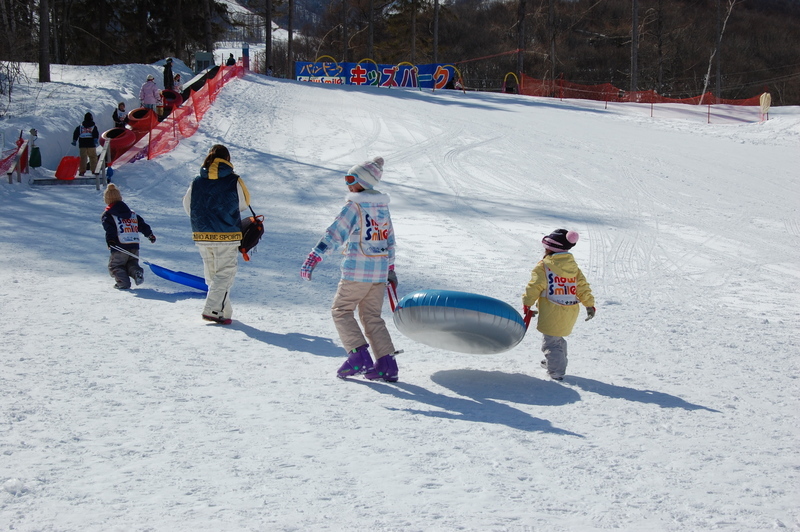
556, 287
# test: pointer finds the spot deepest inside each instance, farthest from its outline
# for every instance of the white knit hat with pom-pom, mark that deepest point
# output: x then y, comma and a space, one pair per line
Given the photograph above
560, 240
368, 173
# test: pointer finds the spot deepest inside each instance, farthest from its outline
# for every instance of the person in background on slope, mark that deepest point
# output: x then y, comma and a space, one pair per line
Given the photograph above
556, 287
120, 116
177, 85
214, 202
149, 94
122, 227
231, 61
87, 138
364, 229
169, 79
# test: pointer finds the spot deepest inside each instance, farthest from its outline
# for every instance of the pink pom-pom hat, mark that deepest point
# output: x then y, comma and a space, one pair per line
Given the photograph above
560, 240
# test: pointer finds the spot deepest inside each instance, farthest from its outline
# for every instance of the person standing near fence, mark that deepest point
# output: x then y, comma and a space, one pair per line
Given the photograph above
87, 138
120, 116
214, 202
168, 77
149, 94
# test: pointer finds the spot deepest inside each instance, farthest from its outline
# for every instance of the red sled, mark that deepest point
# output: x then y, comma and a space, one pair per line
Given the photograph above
68, 168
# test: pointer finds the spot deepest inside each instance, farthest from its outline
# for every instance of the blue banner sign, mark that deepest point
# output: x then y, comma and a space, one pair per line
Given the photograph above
430, 76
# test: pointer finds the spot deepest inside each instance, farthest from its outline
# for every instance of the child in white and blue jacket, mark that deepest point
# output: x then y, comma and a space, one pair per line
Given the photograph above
364, 229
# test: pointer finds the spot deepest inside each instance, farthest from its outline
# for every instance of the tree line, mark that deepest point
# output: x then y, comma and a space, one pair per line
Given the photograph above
679, 48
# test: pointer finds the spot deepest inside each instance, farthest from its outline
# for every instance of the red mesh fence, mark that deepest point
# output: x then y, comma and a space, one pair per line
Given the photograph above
164, 138
8, 156
187, 121
7, 160
182, 122
607, 92
201, 101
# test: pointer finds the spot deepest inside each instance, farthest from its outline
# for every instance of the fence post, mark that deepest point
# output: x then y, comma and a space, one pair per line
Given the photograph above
20, 160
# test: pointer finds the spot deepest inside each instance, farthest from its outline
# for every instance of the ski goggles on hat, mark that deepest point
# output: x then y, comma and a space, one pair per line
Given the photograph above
350, 179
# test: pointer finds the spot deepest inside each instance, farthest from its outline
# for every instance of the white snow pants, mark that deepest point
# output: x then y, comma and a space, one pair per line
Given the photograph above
555, 351
220, 262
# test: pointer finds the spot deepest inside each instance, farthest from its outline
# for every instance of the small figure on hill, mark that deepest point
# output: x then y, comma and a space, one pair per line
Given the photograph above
270, 70
122, 227
169, 80
231, 61
364, 229
120, 116
177, 84
213, 202
556, 287
149, 94
87, 137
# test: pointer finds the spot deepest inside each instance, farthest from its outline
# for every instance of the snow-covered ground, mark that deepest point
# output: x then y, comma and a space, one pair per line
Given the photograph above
124, 411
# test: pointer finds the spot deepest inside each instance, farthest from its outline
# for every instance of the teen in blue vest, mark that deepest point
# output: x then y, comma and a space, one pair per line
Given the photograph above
214, 202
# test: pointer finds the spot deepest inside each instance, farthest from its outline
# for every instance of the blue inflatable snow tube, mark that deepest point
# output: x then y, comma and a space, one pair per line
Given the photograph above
459, 321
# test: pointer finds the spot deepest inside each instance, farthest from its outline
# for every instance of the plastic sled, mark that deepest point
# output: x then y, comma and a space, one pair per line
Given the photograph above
186, 279
68, 167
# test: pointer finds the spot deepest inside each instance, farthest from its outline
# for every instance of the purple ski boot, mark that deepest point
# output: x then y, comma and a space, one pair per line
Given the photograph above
385, 368
358, 362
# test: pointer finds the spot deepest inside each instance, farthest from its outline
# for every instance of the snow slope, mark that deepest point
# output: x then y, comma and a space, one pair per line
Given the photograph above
124, 411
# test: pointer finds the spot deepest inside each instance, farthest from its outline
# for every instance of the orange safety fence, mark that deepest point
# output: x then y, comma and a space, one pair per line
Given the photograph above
8, 157
7, 160
183, 121
607, 92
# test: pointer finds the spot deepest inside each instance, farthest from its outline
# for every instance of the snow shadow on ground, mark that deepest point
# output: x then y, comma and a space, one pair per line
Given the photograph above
169, 297
513, 387
315, 345
612, 391
476, 406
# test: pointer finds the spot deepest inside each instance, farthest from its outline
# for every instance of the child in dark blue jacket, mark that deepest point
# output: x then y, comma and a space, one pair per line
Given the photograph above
122, 227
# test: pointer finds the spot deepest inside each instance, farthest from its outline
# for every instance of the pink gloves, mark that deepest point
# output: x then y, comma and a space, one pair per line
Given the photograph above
309, 265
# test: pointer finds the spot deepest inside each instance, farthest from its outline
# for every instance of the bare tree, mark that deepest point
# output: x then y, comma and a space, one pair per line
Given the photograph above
209, 40
414, 31
551, 24
268, 34
345, 39
371, 39
635, 47
44, 42
178, 32
714, 52
521, 8
435, 31
289, 52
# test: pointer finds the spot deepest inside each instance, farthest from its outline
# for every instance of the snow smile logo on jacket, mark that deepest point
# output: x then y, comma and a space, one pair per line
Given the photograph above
561, 290
127, 228
374, 231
